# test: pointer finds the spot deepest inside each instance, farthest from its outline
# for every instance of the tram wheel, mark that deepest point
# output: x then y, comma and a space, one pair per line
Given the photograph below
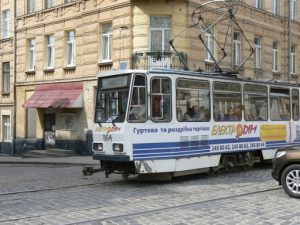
290, 180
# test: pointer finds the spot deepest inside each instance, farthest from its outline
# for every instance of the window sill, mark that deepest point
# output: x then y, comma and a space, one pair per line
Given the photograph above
209, 62
6, 39
68, 68
30, 72
49, 70
104, 63
5, 93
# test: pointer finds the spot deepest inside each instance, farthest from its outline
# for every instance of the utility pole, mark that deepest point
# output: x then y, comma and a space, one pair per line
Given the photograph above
289, 40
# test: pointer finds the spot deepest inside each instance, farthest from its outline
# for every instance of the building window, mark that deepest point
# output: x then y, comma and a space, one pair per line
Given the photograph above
257, 48
49, 3
71, 48
160, 31
209, 40
106, 42
31, 6
293, 59
258, 4
50, 51
275, 7
293, 9
275, 56
6, 77
31, 44
236, 48
6, 128
5, 24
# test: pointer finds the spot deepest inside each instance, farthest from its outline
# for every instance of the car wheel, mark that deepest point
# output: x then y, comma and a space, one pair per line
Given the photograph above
290, 180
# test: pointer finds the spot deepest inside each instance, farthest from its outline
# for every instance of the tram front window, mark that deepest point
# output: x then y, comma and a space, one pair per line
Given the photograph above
112, 97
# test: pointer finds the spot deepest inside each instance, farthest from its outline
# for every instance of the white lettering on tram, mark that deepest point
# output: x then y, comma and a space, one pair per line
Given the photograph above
170, 130
238, 146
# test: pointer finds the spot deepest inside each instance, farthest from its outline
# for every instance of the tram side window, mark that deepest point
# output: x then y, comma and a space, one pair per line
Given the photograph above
192, 100
280, 104
295, 104
160, 99
255, 102
138, 109
227, 101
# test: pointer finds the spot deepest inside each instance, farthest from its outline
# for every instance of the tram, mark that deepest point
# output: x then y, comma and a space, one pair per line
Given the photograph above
174, 122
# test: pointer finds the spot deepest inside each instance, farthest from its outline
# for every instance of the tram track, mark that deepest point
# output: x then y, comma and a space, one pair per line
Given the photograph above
174, 207
57, 188
138, 213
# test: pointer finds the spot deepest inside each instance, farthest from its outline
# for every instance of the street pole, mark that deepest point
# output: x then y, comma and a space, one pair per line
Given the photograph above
289, 40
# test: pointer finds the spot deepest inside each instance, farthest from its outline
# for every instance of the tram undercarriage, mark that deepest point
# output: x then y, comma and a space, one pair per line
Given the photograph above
243, 160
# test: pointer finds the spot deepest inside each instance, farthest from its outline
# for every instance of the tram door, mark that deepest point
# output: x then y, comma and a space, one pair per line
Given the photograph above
49, 128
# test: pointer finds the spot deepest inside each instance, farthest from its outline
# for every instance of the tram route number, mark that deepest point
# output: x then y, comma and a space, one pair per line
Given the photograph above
237, 146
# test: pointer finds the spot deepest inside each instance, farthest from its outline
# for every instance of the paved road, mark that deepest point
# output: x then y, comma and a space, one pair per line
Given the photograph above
56, 194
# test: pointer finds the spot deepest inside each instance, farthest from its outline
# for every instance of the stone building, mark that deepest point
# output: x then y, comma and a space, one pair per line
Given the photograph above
61, 45
7, 76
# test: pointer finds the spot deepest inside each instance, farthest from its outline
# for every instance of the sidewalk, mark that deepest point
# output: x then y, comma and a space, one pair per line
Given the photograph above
73, 160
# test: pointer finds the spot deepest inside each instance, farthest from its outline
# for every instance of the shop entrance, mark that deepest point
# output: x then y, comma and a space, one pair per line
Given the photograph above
49, 127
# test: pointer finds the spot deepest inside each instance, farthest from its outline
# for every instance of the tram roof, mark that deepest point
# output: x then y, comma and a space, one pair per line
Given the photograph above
207, 74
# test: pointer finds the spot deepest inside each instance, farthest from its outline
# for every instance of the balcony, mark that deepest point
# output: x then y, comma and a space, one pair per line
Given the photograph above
152, 59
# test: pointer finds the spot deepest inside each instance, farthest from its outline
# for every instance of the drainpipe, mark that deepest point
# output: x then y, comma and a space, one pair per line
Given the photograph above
15, 76
289, 41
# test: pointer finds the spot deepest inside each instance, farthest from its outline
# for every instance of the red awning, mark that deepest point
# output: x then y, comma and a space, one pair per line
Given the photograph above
62, 95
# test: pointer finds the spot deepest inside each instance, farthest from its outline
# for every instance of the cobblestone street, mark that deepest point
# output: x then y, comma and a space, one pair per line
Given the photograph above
57, 194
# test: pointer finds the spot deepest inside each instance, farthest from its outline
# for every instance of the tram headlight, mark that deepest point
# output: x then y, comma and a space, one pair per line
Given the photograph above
118, 147
97, 146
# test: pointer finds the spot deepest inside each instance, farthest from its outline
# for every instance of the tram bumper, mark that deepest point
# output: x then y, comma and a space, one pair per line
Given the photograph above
118, 158
120, 164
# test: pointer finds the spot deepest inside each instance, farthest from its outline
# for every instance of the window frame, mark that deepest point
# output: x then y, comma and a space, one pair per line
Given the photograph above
258, 4
210, 43
293, 7
71, 48
272, 94
50, 51
164, 45
6, 128
106, 42
31, 5
229, 91
275, 7
31, 54
237, 44
5, 23
293, 61
138, 105
245, 102
162, 95
181, 94
257, 52
275, 65
5, 77
49, 4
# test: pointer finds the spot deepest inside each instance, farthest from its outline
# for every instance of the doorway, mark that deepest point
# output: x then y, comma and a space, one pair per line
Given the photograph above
49, 128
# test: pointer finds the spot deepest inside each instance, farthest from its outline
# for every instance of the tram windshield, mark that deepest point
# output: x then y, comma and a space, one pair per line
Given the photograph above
112, 97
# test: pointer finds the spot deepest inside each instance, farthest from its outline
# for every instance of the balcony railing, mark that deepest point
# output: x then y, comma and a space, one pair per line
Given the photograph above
152, 59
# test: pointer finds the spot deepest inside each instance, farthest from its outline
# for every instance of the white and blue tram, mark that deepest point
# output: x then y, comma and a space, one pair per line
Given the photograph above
182, 122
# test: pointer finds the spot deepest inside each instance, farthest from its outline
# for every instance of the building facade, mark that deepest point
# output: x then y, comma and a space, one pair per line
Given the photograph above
59, 46
7, 59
